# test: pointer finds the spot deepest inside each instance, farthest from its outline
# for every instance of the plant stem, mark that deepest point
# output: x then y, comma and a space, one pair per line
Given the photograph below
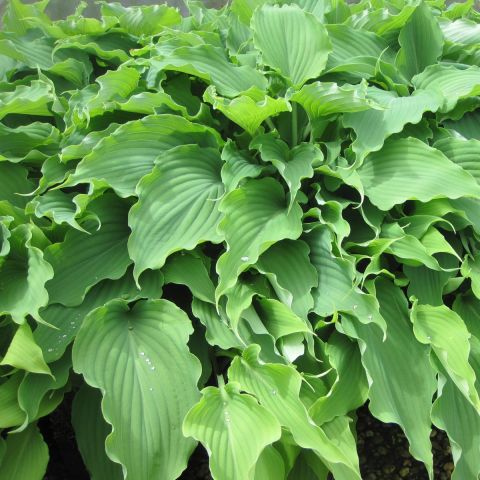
270, 124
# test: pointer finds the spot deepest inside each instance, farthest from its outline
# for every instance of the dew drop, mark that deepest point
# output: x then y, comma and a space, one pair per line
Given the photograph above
130, 327
429, 337
72, 323
142, 353
274, 392
355, 306
64, 335
152, 368
151, 389
50, 350
370, 317
244, 259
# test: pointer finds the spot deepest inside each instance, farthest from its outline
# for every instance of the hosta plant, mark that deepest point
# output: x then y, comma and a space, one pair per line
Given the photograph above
236, 227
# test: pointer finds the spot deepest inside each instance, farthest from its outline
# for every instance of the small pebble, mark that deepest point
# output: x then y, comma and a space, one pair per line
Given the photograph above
448, 467
404, 472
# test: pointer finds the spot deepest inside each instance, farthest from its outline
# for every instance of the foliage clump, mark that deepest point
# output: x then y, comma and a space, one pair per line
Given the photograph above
237, 227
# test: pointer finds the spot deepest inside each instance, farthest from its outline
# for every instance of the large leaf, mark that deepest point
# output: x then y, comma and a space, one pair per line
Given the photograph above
211, 63
84, 259
408, 169
124, 157
373, 126
291, 41
23, 275
277, 387
294, 165
91, 431
223, 421
401, 386
137, 350
249, 110
287, 266
191, 175
421, 41
451, 81
26, 455
447, 334
256, 217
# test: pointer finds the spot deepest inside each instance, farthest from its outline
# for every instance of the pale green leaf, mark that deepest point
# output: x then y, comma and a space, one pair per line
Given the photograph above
373, 126
291, 41
287, 266
138, 349
191, 175
421, 41
223, 421
26, 455
24, 353
277, 387
83, 259
256, 217
248, 110
401, 385
125, 156
446, 333
23, 276
408, 169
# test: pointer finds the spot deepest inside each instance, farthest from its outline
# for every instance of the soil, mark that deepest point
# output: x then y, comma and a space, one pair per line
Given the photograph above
382, 448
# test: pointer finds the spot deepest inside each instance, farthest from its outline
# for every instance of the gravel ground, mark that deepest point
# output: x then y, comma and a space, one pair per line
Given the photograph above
382, 448
384, 455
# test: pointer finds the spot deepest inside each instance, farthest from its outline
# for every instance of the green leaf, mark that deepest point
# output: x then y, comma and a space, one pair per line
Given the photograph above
277, 387
336, 291
143, 20
256, 217
26, 455
291, 41
401, 385
446, 333
33, 99
218, 332
453, 413
287, 266
191, 175
82, 259
421, 41
212, 64
321, 99
91, 431
279, 320
408, 169
373, 126
14, 182
293, 165
354, 51
249, 110
453, 82
23, 276
462, 152
350, 388
67, 320
124, 157
138, 349
223, 421
35, 389
188, 268
24, 353
238, 166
